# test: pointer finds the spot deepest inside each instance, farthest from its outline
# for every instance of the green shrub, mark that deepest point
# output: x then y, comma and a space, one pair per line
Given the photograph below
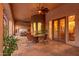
10, 44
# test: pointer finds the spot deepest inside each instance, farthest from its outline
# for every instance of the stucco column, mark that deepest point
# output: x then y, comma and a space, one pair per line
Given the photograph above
10, 18
1, 29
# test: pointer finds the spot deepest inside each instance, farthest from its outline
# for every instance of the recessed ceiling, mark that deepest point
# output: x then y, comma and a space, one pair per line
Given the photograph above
24, 11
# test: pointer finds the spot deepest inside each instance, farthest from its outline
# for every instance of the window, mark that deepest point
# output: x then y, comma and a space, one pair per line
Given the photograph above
34, 28
39, 27
71, 27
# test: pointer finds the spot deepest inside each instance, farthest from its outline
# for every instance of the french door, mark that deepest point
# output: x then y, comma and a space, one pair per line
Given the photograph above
62, 29
59, 29
55, 31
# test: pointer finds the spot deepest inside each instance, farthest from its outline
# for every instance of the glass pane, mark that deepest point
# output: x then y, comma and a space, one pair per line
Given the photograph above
55, 29
39, 27
62, 29
71, 25
34, 27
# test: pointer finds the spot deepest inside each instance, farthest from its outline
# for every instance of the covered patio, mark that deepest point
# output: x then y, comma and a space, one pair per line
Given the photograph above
39, 29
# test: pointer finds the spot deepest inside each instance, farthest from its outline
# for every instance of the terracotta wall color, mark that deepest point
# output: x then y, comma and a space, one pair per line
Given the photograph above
1, 29
65, 10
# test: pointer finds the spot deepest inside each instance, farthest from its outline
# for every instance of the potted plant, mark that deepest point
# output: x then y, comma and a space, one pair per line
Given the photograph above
10, 44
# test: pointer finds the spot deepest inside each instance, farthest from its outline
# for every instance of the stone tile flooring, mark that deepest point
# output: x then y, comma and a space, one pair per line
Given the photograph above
52, 48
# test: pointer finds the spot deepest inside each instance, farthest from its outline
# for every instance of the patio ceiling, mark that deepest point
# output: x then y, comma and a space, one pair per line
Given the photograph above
23, 11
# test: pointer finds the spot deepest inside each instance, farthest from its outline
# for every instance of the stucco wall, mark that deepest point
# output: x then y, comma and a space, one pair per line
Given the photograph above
1, 29
65, 10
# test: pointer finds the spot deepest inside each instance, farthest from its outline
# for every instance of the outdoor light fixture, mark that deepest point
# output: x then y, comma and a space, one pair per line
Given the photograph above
39, 11
42, 9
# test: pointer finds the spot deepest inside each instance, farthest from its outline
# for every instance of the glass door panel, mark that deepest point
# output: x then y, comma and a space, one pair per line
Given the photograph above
34, 28
39, 27
56, 29
62, 29
71, 28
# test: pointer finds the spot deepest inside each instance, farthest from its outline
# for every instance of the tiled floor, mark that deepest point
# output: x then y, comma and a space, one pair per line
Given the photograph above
52, 48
